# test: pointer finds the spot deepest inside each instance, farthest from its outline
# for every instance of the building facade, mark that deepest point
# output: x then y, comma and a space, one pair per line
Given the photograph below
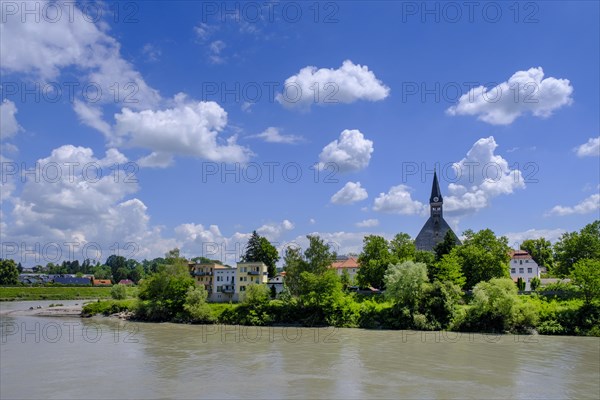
523, 266
436, 227
250, 273
349, 264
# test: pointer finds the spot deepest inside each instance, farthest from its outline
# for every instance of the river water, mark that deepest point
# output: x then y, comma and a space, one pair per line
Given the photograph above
66, 357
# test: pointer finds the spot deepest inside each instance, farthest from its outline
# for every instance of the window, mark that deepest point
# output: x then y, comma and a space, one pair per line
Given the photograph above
513, 270
521, 270
526, 261
520, 261
241, 279
242, 288
529, 270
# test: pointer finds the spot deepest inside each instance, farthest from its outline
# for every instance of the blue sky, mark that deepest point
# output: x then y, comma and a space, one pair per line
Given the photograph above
361, 99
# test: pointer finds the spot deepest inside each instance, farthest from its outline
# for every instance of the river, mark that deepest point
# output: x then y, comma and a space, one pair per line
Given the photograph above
66, 357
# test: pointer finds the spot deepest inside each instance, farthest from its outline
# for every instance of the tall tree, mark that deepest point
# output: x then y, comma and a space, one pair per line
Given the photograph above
293, 265
405, 283
259, 249
374, 261
318, 255
445, 246
9, 275
586, 275
540, 250
575, 246
303, 270
403, 247
483, 256
448, 269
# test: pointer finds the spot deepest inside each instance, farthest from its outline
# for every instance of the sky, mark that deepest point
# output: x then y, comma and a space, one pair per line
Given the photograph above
136, 127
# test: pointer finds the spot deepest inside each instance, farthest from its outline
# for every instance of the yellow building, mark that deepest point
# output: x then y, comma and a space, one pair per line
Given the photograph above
203, 274
249, 273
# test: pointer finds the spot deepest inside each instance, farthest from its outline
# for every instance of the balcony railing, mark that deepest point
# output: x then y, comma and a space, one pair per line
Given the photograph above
201, 273
253, 273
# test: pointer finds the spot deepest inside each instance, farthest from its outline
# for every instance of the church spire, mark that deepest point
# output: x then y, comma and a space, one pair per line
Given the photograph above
436, 193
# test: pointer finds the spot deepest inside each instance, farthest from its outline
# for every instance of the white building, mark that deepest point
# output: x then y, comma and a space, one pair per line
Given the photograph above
276, 282
523, 266
223, 283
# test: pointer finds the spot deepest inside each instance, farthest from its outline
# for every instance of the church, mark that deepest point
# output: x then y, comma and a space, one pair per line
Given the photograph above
436, 227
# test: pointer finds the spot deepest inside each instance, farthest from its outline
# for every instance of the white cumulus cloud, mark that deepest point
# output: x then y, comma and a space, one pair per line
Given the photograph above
591, 148
347, 84
351, 193
188, 128
351, 152
586, 206
368, 223
8, 122
479, 177
398, 200
524, 92
273, 135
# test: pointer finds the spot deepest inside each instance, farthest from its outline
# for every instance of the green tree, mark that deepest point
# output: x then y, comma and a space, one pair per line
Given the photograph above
320, 290
9, 275
260, 249
318, 255
101, 272
374, 261
293, 265
445, 246
541, 252
256, 295
316, 259
164, 292
483, 256
535, 283
521, 284
195, 304
118, 292
402, 247
496, 306
345, 278
586, 275
404, 283
118, 267
574, 246
448, 269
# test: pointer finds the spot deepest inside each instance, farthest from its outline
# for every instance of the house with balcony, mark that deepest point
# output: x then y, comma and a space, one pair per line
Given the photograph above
249, 273
523, 266
203, 274
223, 283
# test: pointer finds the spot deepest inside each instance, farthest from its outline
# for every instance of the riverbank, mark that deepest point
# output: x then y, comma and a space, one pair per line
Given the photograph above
24, 293
42, 308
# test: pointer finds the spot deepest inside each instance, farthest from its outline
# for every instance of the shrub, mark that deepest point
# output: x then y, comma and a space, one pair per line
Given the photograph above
118, 292
195, 305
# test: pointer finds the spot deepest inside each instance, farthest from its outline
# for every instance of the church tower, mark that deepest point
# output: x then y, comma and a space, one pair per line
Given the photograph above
436, 227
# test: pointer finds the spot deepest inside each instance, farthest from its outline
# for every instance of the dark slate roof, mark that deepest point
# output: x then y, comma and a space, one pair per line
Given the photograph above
435, 190
431, 234
67, 280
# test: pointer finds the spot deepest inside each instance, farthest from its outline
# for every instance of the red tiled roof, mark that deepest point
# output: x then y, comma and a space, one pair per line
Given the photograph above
350, 262
520, 255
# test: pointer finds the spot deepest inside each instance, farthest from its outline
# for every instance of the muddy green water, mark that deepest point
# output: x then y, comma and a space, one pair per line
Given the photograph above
61, 358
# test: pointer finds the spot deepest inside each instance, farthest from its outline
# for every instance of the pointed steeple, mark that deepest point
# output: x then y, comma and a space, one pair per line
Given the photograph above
436, 193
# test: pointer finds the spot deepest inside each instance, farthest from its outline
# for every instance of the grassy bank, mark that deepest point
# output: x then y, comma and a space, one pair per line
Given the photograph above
17, 293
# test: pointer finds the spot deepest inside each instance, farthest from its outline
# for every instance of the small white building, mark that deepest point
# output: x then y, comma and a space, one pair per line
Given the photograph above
276, 282
523, 266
